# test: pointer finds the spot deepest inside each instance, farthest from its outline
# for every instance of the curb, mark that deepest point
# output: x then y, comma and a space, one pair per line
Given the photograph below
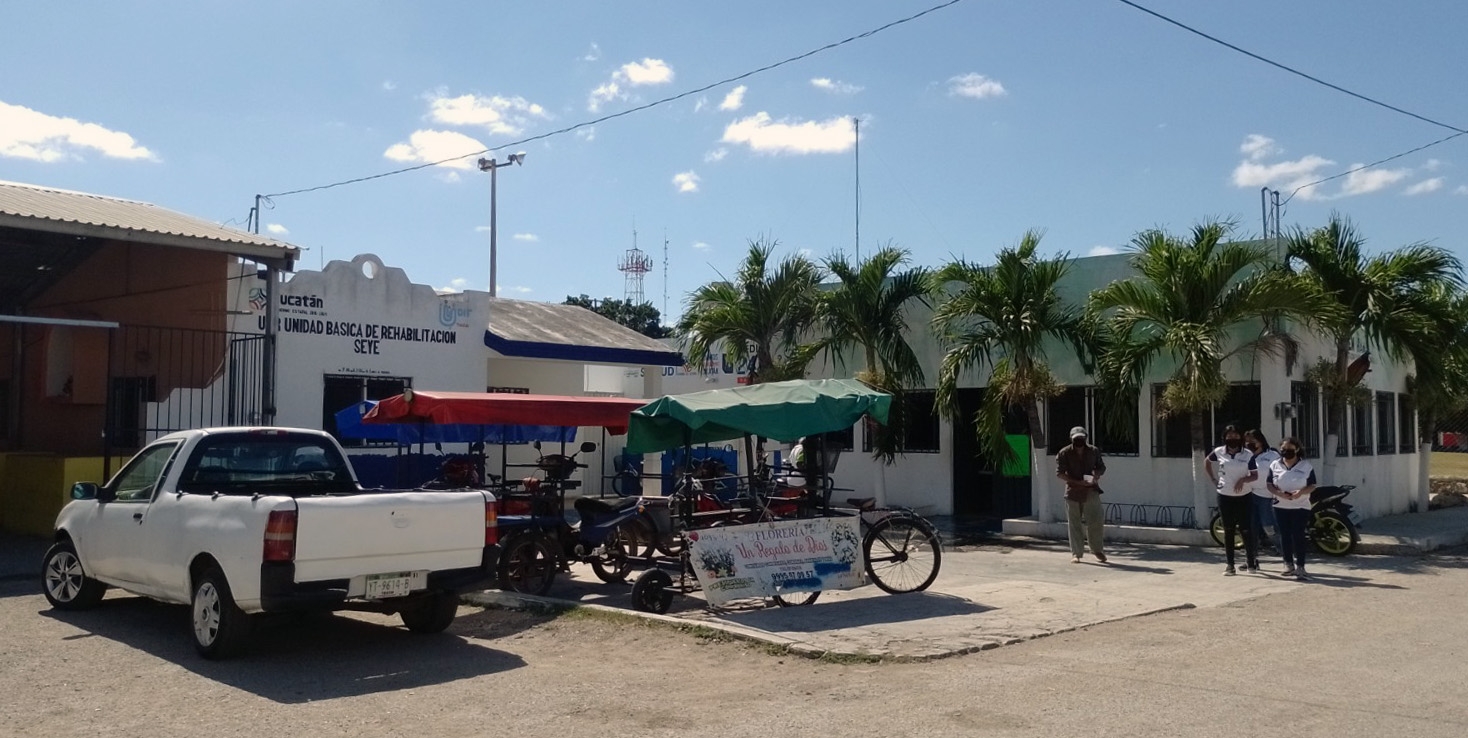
516, 601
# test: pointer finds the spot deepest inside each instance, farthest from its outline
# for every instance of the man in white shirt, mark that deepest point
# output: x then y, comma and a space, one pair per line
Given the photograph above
1232, 466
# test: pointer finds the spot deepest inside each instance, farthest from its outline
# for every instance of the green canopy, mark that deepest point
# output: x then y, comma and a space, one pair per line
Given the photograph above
784, 411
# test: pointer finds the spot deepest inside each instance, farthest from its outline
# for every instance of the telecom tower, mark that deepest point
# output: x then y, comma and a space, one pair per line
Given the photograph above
635, 265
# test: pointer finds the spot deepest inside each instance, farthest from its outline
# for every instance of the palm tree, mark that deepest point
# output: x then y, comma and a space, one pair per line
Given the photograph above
1386, 299
1001, 318
865, 311
1440, 385
1193, 302
759, 316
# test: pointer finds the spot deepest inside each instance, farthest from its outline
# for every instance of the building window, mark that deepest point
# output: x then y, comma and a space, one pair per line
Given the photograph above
1173, 435
341, 391
844, 439
1082, 406
1305, 425
1361, 427
127, 416
1406, 425
1386, 423
1342, 444
4, 409
919, 416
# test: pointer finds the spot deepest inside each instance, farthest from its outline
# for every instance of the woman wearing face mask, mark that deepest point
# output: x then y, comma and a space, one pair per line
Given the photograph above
1232, 466
1291, 480
1261, 507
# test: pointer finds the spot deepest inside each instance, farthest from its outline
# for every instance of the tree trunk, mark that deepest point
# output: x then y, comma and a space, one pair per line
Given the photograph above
1202, 497
872, 362
1040, 489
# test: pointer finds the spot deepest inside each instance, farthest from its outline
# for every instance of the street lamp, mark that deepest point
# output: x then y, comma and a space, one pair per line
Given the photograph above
492, 166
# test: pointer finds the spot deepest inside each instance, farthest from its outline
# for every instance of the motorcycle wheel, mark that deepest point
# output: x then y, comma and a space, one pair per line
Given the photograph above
1215, 528
1332, 533
613, 565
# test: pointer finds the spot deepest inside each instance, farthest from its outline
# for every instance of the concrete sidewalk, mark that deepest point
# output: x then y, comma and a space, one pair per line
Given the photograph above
1394, 535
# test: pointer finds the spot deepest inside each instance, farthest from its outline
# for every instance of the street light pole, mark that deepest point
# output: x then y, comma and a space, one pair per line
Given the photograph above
492, 166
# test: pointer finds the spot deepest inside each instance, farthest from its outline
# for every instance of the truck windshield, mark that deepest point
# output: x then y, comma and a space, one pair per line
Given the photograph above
270, 462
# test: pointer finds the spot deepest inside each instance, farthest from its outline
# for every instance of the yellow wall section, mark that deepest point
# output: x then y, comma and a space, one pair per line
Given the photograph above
35, 486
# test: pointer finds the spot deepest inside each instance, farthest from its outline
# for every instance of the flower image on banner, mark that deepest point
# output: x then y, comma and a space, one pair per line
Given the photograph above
777, 558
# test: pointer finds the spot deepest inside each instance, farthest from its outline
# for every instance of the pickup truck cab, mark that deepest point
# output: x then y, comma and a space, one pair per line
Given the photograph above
238, 521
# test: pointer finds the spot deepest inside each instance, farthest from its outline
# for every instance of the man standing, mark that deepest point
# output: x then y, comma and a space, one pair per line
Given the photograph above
1079, 465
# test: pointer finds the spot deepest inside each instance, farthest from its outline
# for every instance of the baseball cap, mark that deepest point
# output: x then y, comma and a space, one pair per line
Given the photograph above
1077, 432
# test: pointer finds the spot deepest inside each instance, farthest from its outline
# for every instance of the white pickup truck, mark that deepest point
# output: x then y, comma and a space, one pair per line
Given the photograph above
235, 521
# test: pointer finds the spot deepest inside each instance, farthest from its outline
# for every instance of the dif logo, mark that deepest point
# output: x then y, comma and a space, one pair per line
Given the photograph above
451, 314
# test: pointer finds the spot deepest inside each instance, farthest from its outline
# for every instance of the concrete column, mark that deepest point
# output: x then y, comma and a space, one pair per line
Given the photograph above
1424, 477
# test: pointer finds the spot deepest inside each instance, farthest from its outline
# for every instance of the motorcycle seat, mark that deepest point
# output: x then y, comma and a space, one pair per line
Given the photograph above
588, 507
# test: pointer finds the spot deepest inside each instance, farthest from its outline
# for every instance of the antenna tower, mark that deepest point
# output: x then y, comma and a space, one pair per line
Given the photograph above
665, 275
634, 266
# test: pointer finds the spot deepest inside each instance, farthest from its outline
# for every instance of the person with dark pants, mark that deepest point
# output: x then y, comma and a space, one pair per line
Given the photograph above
1233, 466
1079, 465
1291, 479
1261, 509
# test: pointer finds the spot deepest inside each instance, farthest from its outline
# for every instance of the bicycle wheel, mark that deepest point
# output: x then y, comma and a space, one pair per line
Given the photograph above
903, 554
1332, 533
797, 599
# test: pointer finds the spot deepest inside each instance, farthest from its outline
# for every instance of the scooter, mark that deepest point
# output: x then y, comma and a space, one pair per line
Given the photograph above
1332, 529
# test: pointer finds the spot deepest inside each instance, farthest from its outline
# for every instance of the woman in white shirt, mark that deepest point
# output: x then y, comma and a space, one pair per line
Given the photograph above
1291, 480
1261, 508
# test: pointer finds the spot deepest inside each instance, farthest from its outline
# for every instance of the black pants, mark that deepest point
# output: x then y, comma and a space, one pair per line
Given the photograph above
1235, 514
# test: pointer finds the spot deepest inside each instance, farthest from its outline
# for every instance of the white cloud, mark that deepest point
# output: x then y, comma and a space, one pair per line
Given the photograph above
389, 85
807, 253
632, 74
1286, 175
586, 134
481, 229
30, 134
1256, 147
455, 285
716, 155
1103, 251
836, 87
529, 237
735, 99
503, 115
1367, 181
427, 145
700, 103
701, 246
686, 181
519, 290
1426, 186
1461, 190
594, 54
975, 85
276, 229
765, 135
1432, 165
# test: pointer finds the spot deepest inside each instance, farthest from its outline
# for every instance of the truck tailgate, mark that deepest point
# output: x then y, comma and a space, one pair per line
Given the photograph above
343, 537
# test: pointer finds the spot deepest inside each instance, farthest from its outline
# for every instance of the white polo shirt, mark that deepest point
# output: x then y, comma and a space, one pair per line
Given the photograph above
1292, 479
1262, 460
1230, 468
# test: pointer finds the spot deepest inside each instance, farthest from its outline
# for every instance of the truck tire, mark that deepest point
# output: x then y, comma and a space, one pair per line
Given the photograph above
432, 614
65, 584
220, 626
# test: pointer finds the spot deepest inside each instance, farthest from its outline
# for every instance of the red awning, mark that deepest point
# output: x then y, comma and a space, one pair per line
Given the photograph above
482, 408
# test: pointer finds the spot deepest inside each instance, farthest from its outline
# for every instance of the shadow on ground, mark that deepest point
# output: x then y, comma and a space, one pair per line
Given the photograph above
855, 612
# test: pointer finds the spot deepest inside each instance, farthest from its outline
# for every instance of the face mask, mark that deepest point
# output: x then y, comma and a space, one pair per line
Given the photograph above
1288, 453
1078, 442
1232, 442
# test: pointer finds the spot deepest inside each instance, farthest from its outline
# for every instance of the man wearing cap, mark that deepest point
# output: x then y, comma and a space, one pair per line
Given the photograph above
1079, 465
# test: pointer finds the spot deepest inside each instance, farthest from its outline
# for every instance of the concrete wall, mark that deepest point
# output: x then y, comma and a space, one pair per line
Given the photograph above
35, 486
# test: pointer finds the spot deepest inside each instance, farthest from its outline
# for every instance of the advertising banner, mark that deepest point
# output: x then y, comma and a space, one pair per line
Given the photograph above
777, 558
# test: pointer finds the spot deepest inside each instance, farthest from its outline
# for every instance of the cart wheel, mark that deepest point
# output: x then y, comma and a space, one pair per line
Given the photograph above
528, 566
797, 599
903, 554
651, 592
614, 565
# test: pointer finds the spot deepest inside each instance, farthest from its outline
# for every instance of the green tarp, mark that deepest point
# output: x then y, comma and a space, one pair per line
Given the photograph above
784, 411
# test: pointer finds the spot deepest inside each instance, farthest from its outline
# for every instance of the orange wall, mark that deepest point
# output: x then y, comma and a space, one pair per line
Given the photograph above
131, 284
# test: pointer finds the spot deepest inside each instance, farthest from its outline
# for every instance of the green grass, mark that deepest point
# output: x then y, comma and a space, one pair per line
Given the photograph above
1446, 464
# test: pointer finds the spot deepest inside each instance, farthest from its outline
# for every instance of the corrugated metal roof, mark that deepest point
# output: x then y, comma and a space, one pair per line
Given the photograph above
82, 214
544, 330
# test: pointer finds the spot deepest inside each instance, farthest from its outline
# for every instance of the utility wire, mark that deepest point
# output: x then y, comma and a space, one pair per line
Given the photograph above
1290, 69
629, 111
1373, 164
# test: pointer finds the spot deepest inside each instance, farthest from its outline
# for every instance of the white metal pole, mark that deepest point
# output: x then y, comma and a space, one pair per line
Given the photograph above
493, 243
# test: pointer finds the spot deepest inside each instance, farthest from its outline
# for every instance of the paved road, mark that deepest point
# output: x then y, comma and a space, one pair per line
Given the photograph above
1378, 656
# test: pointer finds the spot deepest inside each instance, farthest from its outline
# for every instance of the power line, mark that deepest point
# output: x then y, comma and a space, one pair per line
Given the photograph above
1290, 69
637, 109
1373, 164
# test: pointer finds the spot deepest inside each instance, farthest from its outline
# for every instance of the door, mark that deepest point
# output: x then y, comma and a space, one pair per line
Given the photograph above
979, 489
113, 542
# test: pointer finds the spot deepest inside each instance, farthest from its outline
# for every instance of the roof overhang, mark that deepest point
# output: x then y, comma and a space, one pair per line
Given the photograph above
270, 255
581, 353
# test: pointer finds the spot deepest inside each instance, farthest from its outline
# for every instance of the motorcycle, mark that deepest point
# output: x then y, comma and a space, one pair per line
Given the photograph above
541, 543
1332, 530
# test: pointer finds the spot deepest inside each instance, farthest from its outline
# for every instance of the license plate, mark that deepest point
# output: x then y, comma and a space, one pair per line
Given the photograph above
383, 586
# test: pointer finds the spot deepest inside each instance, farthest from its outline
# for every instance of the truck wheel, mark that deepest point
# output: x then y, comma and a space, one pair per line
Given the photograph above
64, 583
220, 626
432, 614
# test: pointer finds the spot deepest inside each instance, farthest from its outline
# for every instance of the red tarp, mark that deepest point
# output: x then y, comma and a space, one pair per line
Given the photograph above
481, 408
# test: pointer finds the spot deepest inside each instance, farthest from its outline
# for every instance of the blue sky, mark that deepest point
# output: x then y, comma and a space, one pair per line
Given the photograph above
1085, 118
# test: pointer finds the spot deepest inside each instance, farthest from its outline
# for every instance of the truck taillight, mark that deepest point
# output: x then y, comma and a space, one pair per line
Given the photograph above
491, 522
280, 536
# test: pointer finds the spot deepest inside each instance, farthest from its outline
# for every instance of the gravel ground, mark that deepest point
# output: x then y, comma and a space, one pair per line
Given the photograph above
1379, 658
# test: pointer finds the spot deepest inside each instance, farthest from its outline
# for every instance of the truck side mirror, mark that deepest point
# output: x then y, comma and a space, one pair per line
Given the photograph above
84, 491
587, 447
